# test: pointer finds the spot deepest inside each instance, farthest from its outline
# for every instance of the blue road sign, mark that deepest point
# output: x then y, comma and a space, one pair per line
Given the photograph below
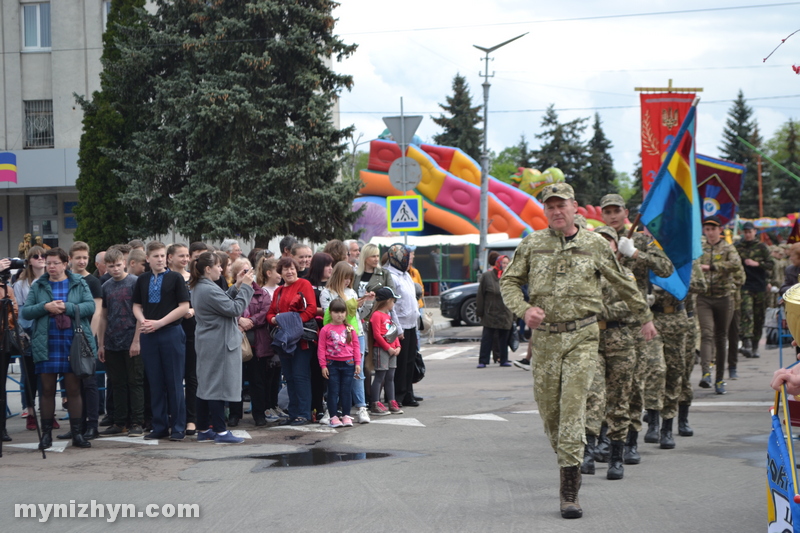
404, 213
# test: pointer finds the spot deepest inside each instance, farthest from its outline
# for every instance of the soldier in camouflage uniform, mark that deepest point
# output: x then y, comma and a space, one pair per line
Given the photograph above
781, 261
696, 286
718, 262
737, 280
611, 388
650, 367
758, 266
562, 266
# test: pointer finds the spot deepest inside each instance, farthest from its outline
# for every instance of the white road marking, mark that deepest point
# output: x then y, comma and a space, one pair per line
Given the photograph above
57, 447
129, 440
533, 412
241, 433
732, 404
311, 428
449, 352
413, 422
488, 416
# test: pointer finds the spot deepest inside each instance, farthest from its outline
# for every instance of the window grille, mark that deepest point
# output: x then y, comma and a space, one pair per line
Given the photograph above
39, 124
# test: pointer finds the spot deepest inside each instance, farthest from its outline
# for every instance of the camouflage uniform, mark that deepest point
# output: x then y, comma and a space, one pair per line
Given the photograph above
696, 286
563, 277
714, 305
669, 316
737, 280
611, 388
649, 355
754, 290
776, 280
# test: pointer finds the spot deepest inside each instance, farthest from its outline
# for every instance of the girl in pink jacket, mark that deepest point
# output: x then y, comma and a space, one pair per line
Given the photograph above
339, 356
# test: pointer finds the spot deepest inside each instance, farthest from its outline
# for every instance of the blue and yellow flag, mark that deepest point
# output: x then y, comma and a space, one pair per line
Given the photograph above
671, 210
8, 167
783, 502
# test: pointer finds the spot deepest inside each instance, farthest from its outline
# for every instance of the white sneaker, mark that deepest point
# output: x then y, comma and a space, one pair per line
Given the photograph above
363, 416
326, 419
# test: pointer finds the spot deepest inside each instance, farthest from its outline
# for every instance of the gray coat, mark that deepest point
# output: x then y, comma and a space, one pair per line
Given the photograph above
217, 339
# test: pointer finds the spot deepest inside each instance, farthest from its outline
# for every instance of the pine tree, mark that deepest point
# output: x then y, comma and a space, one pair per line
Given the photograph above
525, 159
740, 123
460, 129
562, 147
107, 124
504, 165
237, 136
784, 148
600, 172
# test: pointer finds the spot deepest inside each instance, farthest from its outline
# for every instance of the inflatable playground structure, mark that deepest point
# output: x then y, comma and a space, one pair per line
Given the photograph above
450, 190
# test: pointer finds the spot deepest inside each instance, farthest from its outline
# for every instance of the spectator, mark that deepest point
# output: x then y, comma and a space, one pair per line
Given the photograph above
407, 312
302, 254
232, 248
353, 252
219, 344
496, 318
337, 250
178, 257
340, 359
286, 245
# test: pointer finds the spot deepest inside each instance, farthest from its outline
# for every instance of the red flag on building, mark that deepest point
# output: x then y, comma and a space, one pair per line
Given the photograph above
662, 115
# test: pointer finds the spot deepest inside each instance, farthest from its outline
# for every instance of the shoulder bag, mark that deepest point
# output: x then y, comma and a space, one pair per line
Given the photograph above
247, 349
81, 356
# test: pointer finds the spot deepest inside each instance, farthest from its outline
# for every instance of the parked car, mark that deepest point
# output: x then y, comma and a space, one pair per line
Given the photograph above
458, 303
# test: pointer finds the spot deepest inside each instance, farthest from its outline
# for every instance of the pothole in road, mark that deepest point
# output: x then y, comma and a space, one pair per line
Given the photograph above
318, 457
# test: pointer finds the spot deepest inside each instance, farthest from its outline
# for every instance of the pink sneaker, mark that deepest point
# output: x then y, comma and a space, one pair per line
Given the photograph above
335, 422
347, 421
394, 408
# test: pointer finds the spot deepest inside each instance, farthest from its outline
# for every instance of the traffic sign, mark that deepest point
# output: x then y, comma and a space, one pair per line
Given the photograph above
413, 173
403, 128
404, 213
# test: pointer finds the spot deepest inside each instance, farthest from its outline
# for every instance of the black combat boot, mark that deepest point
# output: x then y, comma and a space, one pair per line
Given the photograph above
747, 348
684, 430
630, 454
615, 468
651, 436
601, 450
47, 434
570, 485
78, 440
667, 442
587, 467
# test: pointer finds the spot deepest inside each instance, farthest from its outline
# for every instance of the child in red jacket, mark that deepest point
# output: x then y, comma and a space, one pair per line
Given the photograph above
339, 355
385, 347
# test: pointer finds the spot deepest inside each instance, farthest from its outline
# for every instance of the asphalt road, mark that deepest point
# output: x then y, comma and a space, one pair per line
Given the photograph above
472, 457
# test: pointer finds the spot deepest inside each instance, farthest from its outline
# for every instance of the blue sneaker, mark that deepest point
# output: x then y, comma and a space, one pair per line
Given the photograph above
719, 387
227, 438
206, 436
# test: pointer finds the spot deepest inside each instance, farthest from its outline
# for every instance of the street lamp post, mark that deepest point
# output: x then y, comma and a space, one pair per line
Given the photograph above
484, 211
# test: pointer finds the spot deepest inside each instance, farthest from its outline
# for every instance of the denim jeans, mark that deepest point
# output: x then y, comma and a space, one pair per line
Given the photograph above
359, 399
297, 373
340, 386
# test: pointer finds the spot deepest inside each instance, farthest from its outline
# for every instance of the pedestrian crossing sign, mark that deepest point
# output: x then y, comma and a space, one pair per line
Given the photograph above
404, 213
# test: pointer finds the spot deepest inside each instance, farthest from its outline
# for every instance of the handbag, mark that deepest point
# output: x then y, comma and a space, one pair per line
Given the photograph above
419, 368
310, 327
513, 340
14, 343
247, 349
81, 355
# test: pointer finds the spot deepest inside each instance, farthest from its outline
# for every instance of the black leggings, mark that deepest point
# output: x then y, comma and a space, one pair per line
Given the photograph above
211, 413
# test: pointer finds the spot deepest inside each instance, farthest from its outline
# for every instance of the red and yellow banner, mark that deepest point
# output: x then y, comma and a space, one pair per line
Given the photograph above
662, 115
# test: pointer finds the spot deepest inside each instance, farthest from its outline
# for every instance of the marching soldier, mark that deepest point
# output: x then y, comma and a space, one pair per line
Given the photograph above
696, 286
758, 264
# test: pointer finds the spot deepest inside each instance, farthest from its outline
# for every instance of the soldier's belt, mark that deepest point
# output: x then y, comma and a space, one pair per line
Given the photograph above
602, 324
668, 309
563, 327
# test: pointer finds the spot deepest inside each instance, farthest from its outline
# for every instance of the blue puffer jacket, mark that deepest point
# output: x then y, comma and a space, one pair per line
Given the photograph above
78, 295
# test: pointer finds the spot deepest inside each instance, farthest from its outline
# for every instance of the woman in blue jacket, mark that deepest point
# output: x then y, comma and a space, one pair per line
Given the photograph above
51, 305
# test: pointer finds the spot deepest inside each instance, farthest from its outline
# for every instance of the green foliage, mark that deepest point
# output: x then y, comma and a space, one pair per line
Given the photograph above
352, 166
784, 148
460, 129
236, 136
600, 172
562, 147
107, 124
506, 164
525, 157
623, 183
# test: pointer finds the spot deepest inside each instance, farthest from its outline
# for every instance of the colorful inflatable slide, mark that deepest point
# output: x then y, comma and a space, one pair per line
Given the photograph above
450, 189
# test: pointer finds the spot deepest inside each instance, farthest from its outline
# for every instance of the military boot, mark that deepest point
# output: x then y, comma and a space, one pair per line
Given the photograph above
651, 436
78, 441
587, 467
684, 430
667, 442
630, 453
747, 348
570, 485
47, 434
615, 468
601, 450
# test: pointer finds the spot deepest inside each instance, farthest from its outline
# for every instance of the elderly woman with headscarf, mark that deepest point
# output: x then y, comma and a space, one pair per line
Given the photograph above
407, 313
496, 318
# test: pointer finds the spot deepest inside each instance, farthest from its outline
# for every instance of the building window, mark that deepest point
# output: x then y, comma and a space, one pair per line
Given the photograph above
36, 26
39, 124
106, 11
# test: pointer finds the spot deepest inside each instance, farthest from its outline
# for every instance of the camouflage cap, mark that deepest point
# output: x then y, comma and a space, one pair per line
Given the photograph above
607, 231
558, 190
612, 199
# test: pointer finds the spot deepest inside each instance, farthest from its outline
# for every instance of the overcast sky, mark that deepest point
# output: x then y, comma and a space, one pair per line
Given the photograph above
412, 49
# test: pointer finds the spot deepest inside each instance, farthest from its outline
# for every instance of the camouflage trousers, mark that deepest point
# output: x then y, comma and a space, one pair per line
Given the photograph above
754, 307
672, 329
690, 355
610, 393
563, 367
636, 403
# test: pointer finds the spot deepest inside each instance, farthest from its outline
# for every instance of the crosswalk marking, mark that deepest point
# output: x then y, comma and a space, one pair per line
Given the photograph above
129, 440
486, 416
449, 352
57, 447
533, 412
412, 422
314, 428
732, 404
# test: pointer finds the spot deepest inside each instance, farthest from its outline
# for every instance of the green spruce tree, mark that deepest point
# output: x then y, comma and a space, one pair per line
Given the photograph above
108, 123
525, 158
600, 172
238, 137
460, 129
506, 164
784, 148
562, 147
